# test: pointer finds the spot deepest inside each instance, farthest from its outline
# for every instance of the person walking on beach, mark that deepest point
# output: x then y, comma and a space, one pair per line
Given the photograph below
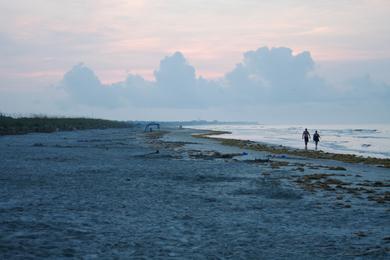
316, 138
306, 137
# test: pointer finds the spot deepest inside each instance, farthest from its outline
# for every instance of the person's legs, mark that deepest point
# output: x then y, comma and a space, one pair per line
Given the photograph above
306, 141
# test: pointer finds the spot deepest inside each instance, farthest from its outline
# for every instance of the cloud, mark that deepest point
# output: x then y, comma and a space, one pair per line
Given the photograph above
175, 73
135, 91
178, 86
366, 88
176, 82
272, 79
84, 87
276, 75
175, 86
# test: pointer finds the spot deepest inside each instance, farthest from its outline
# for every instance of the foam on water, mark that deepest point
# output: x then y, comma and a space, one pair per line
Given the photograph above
364, 140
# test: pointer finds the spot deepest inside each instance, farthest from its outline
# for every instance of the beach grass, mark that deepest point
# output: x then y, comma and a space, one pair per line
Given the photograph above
279, 149
44, 124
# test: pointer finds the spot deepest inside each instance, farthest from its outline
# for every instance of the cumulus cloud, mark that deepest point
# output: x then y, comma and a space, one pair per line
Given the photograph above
176, 83
84, 87
175, 73
276, 74
265, 77
365, 87
134, 90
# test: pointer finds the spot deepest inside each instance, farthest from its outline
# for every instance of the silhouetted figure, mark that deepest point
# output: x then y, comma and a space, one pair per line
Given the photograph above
316, 138
306, 137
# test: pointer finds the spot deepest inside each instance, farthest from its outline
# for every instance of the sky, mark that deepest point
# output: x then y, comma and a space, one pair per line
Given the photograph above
282, 61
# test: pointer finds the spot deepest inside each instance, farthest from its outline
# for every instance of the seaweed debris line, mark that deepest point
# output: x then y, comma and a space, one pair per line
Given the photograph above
108, 193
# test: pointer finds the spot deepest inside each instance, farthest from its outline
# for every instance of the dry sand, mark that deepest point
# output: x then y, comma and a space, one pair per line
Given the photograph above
107, 194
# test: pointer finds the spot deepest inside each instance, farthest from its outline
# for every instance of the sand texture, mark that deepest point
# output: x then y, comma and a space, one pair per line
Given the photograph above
109, 194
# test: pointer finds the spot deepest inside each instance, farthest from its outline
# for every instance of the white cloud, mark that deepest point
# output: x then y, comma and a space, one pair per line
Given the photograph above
267, 79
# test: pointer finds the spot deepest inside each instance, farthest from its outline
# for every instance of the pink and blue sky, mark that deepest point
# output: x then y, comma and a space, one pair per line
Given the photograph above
228, 59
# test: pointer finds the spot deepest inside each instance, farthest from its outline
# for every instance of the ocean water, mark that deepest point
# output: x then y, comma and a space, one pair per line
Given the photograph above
363, 140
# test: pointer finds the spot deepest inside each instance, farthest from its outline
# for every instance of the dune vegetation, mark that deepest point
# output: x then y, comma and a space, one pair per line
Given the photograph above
44, 124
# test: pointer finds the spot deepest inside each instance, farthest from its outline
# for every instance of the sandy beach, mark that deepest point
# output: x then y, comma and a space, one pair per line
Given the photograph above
109, 194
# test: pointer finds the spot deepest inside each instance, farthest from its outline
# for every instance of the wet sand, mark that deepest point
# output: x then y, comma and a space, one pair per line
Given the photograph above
107, 193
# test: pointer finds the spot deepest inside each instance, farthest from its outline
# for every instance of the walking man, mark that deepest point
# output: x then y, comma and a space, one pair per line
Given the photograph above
306, 137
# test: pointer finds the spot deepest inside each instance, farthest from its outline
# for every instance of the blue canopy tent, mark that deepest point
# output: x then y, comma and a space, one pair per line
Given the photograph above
150, 125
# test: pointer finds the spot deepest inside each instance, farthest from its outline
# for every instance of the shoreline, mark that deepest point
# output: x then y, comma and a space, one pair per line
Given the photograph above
280, 149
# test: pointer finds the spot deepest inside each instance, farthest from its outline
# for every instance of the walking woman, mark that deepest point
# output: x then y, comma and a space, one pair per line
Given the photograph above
316, 138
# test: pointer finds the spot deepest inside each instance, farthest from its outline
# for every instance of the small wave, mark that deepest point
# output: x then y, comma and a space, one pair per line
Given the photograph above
365, 130
372, 137
335, 146
350, 131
